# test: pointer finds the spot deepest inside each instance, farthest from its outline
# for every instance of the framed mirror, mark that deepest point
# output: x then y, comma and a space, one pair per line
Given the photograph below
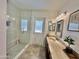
73, 24
59, 28
50, 26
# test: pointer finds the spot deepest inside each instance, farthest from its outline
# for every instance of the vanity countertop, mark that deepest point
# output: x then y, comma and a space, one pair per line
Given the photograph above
56, 49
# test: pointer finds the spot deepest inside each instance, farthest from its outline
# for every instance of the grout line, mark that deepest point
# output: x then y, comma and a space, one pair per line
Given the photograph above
19, 54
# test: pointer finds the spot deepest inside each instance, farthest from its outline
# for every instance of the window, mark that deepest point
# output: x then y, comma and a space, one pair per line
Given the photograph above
39, 26
24, 25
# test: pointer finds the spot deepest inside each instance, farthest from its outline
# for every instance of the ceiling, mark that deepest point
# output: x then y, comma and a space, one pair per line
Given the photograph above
39, 4
53, 6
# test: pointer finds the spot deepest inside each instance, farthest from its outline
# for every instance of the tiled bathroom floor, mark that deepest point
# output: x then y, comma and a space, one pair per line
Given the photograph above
33, 52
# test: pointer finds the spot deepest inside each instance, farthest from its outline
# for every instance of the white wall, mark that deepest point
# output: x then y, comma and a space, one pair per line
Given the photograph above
3, 29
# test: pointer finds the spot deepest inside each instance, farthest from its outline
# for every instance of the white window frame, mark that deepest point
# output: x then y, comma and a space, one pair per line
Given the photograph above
43, 26
26, 26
